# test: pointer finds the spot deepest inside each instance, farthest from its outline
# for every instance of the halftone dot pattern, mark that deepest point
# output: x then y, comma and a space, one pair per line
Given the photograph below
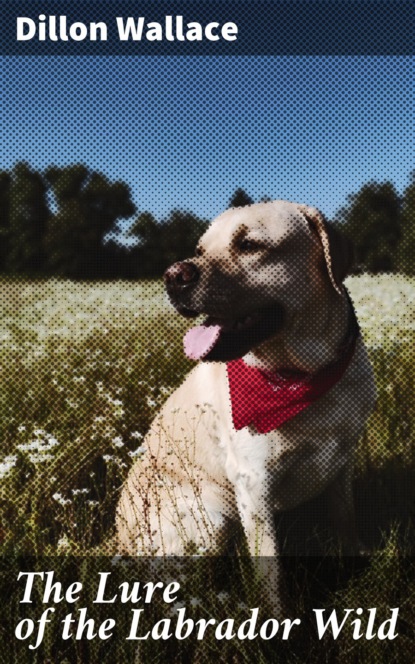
110, 447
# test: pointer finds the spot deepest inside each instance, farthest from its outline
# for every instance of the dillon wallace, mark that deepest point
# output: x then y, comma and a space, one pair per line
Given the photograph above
57, 28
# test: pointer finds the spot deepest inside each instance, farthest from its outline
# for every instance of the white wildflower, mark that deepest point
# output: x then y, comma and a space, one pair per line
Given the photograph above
51, 442
63, 544
140, 450
202, 550
223, 597
26, 447
61, 499
195, 601
7, 464
40, 458
176, 607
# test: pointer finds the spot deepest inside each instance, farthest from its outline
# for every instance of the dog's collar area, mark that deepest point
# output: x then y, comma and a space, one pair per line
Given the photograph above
349, 342
266, 401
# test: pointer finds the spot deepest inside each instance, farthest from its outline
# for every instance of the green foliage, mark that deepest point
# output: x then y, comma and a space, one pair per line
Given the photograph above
28, 218
78, 368
161, 244
240, 198
181, 233
88, 208
81, 238
372, 220
65, 222
406, 254
5, 180
70, 241
149, 236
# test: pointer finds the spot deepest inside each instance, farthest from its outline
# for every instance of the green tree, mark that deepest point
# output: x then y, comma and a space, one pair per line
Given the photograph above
162, 243
89, 207
28, 218
240, 198
406, 247
372, 220
148, 233
5, 181
180, 234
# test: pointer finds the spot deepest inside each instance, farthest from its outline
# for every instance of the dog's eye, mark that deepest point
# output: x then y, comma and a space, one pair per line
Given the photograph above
248, 245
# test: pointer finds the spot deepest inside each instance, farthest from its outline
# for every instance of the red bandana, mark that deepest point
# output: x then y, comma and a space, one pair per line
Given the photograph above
269, 400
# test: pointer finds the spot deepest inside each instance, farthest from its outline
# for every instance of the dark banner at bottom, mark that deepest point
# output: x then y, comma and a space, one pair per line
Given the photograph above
205, 609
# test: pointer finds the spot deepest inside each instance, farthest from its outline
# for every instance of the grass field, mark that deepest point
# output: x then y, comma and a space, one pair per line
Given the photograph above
84, 367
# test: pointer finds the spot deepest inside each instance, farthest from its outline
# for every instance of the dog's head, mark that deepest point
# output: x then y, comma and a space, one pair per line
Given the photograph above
254, 268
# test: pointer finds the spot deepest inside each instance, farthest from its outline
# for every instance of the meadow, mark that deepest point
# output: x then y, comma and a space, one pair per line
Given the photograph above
84, 368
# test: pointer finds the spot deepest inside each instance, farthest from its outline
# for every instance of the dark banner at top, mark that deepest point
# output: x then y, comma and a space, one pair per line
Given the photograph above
282, 27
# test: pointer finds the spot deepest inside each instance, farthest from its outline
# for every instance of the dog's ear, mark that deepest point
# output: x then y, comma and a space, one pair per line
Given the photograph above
337, 249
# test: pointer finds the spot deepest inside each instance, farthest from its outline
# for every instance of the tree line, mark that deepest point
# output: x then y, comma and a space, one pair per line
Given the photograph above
68, 222
381, 225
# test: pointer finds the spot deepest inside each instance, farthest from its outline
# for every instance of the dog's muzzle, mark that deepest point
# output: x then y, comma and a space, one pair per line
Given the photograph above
179, 278
218, 339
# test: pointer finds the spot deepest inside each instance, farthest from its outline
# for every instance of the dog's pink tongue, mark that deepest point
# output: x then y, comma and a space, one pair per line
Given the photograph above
199, 340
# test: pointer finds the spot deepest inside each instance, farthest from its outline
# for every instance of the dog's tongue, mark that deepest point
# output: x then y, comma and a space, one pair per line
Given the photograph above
199, 340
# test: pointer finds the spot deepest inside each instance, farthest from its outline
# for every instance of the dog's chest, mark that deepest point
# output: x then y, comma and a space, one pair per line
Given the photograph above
287, 463
246, 457
279, 468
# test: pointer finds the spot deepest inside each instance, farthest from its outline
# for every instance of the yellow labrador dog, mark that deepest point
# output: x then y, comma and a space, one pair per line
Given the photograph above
270, 415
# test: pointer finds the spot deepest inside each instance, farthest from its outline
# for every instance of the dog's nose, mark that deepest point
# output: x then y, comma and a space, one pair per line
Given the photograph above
179, 275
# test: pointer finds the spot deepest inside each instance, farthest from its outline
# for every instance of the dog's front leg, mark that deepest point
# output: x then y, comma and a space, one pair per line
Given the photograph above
257, 520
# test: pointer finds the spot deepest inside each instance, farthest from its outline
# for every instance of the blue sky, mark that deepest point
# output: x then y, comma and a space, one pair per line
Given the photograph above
186, 131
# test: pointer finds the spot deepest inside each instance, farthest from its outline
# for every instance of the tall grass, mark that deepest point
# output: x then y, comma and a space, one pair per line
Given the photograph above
84, 368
